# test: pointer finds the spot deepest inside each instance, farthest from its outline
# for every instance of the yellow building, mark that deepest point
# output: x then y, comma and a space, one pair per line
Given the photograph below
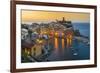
36, 50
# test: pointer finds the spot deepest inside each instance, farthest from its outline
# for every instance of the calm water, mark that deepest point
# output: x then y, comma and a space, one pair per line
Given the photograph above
78, 50
84, 28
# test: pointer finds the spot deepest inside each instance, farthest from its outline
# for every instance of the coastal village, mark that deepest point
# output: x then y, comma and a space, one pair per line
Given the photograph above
39, 40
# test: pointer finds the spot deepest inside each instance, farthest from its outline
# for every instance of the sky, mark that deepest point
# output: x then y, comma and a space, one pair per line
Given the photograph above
45, 16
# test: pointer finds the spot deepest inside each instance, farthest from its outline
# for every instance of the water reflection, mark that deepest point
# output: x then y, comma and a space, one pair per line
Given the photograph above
56, 43
68, 49
63, 44
69, 40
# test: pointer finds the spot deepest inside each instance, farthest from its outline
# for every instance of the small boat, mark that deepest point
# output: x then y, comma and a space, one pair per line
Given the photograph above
75, 54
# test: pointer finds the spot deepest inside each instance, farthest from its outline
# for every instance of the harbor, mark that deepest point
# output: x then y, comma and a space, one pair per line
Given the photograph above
53, 41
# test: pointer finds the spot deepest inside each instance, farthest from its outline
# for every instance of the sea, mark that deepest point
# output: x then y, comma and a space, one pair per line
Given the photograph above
78, 51
84, 28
